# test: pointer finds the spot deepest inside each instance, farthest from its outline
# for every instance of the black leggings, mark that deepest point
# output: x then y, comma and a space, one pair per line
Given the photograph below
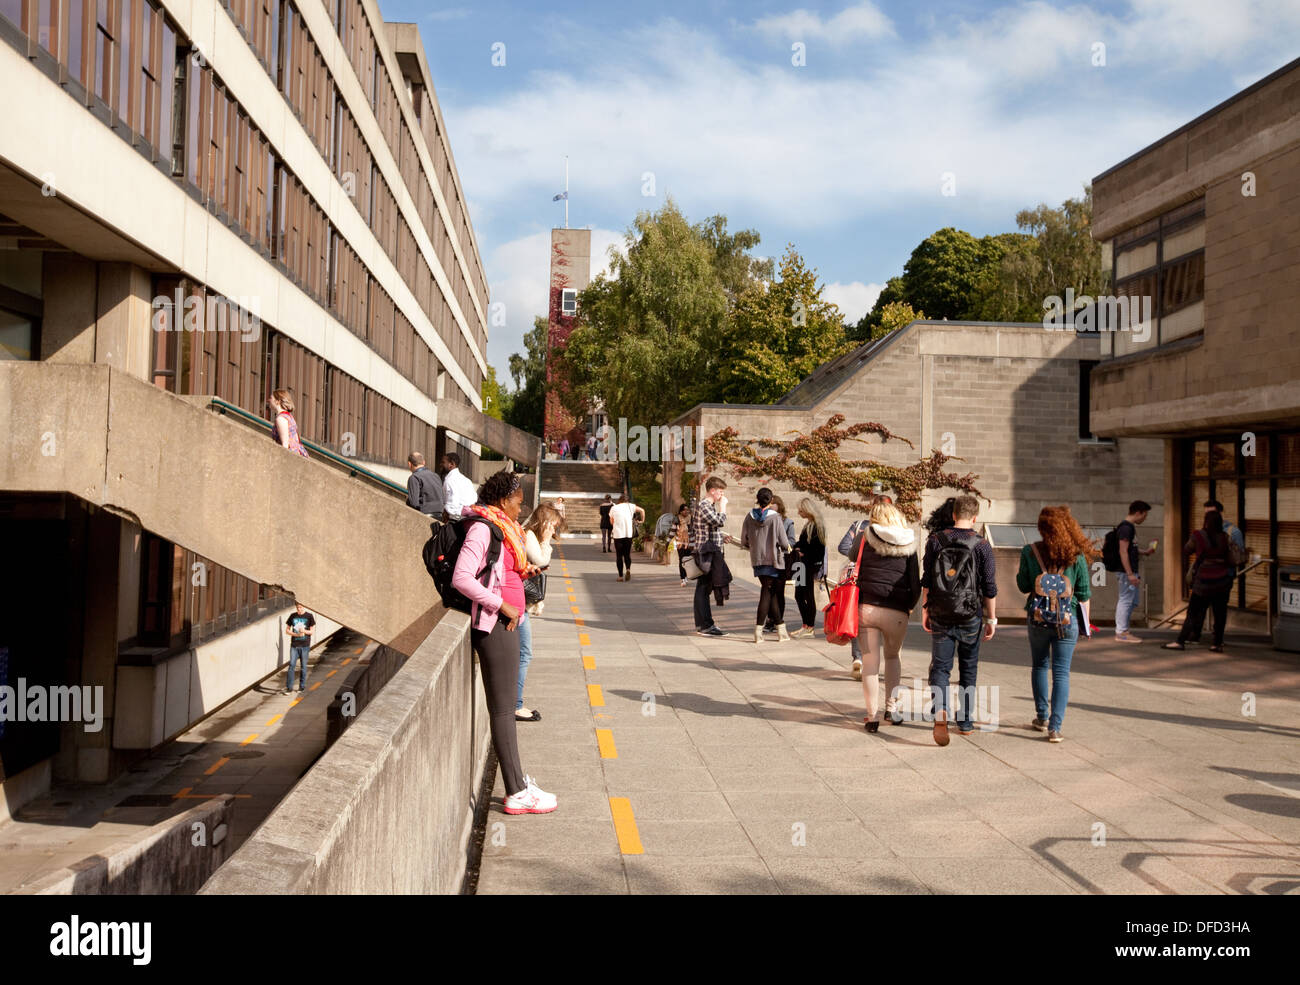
1197, 605
606, 538
769, 599
803, 595
623, 553
498, 661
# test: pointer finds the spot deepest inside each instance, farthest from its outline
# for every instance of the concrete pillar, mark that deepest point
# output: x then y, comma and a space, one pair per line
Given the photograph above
106, 591
124, 335
1172, 545
68, 323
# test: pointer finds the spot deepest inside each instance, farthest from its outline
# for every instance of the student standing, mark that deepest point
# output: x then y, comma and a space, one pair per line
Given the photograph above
810, 558
624, 517
1126, 534
299, 627
787, 572
889, 586
1212, 581
606, 526
542, 526
457, 490
494, 622
706, 542
284, 427
959, 581
1235, 539
682, 539
423, 488
1065, 549
763, 533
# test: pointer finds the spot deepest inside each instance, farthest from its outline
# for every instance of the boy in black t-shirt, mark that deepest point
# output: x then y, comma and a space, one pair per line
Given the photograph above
1129, 579
298, 627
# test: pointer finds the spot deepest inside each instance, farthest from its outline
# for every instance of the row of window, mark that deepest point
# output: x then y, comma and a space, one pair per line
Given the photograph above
140, 75
224, 358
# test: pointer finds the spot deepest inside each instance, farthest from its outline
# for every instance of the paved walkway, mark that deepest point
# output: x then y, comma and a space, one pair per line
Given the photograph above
256, 747
685, 764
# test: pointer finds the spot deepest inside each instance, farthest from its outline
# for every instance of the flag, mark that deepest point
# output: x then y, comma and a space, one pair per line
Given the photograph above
562, 197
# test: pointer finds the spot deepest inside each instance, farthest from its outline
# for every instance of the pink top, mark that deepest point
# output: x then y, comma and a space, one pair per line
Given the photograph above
512, 590
486, 599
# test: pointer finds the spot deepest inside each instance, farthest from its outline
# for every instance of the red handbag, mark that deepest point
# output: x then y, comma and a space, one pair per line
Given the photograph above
841, 620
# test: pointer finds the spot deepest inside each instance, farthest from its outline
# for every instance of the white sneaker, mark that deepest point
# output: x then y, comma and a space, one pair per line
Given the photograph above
857, 670
530, 800
683, 583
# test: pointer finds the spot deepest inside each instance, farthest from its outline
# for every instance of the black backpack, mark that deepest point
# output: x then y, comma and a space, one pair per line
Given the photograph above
954, 590
1110, 551
443, 548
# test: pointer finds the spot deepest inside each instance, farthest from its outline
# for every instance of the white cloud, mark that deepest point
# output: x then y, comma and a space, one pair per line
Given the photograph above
854, 300
865, 20
518, 275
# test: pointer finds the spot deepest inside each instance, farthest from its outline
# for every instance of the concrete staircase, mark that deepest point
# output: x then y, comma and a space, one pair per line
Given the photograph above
583, 486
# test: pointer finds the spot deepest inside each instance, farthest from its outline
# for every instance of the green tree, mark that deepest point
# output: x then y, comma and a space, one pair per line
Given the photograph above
736, 268
496, 398
646, 341
780, 332
893, 316
526, 408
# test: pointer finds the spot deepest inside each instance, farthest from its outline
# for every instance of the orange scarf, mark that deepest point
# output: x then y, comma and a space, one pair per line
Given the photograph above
513, 532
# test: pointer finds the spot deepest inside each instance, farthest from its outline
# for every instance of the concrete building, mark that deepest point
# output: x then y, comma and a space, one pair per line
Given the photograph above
1206, 223
217, 199
1010, 400
570, 275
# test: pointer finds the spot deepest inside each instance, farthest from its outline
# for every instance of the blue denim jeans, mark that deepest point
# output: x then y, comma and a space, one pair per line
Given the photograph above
297, 654
1128, 596
525, 654
963, 642
1047, 651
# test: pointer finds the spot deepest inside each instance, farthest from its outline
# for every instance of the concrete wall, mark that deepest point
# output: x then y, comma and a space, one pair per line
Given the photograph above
390, 806
164, 861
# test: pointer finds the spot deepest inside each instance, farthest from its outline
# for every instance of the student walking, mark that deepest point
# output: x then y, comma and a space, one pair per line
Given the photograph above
298, 627
810, 559
1056, 609
889, 586
847, 548
1122, 552
682, 539
606, 526
284, 427
1212, 581
496, 606
457, 490
1236, 557
763, 533
787, 572
542, 526
624, 517
423, 488
707, 538
959, 581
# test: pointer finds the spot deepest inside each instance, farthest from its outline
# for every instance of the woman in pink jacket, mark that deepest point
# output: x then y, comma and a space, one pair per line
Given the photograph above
496, 592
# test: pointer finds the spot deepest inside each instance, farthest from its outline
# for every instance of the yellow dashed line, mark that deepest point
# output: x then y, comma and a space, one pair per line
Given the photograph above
216, 766
330, 674
315, 686
579, 621
629, 839
249, 739
574, 609
185, 791
588, 663
346, 662
605, 739
274, 720
594, 696
572, 597
358, 649
295, 701
584, 639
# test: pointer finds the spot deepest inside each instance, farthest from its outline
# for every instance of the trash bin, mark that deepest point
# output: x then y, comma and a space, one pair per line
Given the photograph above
1286, 631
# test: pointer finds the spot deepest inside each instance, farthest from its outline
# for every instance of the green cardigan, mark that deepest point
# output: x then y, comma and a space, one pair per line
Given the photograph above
1030, 569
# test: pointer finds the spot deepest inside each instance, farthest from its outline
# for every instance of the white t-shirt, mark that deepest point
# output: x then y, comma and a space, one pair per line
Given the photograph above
623, 517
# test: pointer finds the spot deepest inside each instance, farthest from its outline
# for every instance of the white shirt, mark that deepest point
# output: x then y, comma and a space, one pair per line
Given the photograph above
623, 517
458, 492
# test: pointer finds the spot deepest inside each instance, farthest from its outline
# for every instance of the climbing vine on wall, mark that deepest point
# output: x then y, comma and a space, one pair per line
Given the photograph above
812, 464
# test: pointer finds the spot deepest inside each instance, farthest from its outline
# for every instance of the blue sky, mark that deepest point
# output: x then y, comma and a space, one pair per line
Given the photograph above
843, 155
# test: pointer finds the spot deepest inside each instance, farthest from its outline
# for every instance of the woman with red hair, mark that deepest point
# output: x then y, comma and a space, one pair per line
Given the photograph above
1064, 550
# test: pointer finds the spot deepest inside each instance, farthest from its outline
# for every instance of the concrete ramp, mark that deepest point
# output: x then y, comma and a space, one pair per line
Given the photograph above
345, 550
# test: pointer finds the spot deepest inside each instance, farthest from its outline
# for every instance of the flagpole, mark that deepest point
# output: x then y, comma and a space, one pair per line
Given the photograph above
566, 191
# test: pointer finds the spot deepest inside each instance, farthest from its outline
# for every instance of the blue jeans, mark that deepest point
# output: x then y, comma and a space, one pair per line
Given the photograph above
525, 655
298, 654
1128, 597
962, 641
1046, 650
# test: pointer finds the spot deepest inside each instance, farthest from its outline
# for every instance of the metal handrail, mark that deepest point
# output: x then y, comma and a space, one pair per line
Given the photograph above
352, 468
1268, 596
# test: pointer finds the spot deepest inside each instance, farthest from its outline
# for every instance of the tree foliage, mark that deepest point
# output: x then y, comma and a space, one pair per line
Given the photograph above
496, 398
528, 372
779, 333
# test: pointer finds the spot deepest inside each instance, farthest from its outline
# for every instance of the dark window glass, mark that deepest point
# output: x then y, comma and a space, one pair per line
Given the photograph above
12, 11
1182, 283
76, 12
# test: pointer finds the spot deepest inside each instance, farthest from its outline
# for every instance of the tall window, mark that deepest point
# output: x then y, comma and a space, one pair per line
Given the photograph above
105, 44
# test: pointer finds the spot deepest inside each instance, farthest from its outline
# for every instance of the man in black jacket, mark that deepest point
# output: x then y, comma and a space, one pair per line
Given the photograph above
423, 488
